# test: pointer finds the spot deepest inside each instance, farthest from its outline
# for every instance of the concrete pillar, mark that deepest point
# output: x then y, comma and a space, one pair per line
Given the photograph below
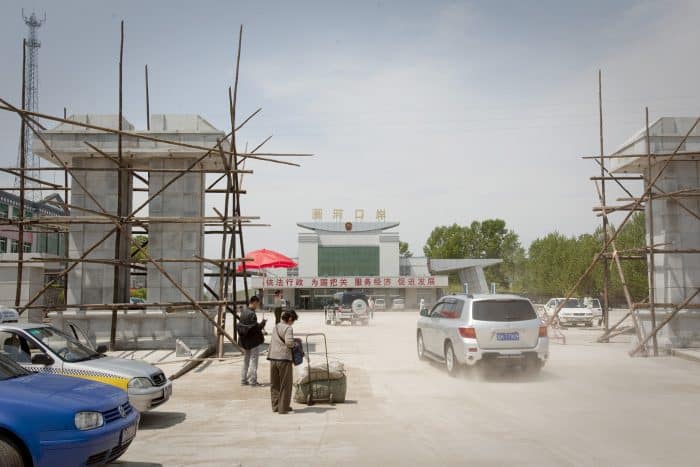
677, 275
92, 283
183, 199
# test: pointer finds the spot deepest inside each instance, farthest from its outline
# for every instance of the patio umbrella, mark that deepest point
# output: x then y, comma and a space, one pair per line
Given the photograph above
266, 259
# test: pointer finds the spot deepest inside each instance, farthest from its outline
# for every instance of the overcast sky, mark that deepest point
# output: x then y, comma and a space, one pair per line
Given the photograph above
438, 112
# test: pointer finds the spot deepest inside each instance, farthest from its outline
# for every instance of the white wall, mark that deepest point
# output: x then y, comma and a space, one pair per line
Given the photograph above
389, 255
308, 255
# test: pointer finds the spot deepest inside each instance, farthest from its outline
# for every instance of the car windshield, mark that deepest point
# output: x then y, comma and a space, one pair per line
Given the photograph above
10, 369
502, 310
63, 345
572, 303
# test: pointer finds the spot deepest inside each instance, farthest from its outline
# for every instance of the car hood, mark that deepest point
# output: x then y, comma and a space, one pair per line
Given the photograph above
68, 393
121, 367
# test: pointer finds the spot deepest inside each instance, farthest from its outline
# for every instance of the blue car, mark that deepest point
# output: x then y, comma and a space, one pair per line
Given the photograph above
51, 420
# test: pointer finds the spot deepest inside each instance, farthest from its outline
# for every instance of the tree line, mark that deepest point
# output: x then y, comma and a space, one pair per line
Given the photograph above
551, 265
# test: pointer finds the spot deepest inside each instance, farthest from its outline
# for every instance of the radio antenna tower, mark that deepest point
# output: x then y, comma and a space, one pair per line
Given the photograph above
31, 93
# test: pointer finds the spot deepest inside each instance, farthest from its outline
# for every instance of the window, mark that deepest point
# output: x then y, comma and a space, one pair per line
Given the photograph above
437, 310
348, 261
4, 210
14, 246
452, 310
3, 245
503, 310
15, 347
27, 247
15, 212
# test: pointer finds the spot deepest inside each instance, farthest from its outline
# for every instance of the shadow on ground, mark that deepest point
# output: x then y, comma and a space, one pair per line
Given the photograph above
160, 420
314, 409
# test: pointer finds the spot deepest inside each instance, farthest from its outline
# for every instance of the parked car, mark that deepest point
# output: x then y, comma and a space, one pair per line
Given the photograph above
467, 330
379, 304
8, 315
349, 307
398, 304
44, 349
571, 313
51, 420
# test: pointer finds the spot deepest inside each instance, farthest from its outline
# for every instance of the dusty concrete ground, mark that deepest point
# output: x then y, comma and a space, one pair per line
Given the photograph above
591, 405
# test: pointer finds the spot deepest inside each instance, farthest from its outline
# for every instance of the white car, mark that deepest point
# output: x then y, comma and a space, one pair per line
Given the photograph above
572, 312
398, 304
467, 330
379, 304
40, 348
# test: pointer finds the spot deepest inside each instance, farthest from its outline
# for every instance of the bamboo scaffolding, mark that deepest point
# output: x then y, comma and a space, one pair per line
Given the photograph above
131, 257
643, 202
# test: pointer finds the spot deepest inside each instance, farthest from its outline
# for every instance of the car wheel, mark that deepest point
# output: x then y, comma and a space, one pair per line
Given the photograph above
420, 346
10, 455
451, 360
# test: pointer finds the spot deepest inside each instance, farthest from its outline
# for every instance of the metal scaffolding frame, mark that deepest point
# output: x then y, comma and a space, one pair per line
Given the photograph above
630, 205
228, 225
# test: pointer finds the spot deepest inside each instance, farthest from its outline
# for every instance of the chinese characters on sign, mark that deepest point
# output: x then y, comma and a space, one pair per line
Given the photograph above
373, 282
317, 214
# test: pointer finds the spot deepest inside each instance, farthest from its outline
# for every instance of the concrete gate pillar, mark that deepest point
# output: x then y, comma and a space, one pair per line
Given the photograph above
183, 199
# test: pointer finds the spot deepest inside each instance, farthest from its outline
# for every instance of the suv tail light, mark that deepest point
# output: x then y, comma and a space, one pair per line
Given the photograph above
467, 333
543, 331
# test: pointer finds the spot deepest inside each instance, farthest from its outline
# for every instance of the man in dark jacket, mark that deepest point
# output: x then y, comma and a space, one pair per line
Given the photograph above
250, 334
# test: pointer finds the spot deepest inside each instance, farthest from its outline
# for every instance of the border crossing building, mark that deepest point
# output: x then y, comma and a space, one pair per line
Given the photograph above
362, 255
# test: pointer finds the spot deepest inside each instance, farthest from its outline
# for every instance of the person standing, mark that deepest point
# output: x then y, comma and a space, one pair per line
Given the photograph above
250, 338
280, 356
278, 306
370, 303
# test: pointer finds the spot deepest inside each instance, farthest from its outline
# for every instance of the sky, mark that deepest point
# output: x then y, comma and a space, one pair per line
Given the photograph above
438, 112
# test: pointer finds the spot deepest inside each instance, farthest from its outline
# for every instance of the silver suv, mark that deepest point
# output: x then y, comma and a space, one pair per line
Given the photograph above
467, 329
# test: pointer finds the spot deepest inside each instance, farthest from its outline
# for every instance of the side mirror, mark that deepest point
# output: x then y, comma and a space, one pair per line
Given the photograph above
101, 348
42, 359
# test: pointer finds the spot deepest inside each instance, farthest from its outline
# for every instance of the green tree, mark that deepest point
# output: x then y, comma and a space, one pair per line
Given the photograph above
629, 241
486, 239
404, 252
446, 242
142, 242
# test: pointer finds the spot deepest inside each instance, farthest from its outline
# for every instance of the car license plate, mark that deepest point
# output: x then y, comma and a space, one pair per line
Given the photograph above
128, 433
507, 336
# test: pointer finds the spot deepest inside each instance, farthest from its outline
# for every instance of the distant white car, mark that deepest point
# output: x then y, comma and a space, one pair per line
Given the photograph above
398, 304
571, 313
379, 304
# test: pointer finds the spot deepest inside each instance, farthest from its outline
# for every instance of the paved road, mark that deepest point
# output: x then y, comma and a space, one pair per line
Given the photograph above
592, 405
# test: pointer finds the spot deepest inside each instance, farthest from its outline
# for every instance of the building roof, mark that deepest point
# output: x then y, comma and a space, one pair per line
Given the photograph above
446, 265
665, 134
68, 140
42, 206
340, 227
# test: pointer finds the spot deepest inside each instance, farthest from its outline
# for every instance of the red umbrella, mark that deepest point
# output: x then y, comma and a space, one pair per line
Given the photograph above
266, 259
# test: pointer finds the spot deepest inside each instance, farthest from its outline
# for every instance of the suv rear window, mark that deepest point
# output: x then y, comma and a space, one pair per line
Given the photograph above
503, 310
